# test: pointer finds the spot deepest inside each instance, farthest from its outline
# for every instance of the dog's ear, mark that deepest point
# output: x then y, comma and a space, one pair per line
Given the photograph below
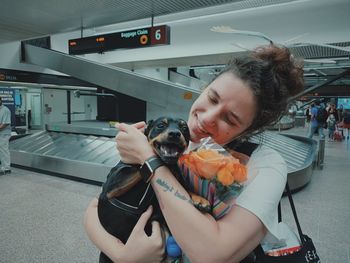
148, 127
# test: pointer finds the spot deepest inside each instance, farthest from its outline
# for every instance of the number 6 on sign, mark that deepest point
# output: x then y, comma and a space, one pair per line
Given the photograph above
160, 35
157, 34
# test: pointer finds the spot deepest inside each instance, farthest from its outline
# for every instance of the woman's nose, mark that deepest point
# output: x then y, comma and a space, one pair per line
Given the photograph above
209, 118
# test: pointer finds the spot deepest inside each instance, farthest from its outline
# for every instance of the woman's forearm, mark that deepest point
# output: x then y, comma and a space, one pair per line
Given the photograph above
105, 242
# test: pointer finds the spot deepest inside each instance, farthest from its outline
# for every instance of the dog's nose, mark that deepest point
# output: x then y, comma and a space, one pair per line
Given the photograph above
174, 134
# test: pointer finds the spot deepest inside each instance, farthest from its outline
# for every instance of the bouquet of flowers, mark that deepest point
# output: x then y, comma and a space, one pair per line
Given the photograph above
212, 173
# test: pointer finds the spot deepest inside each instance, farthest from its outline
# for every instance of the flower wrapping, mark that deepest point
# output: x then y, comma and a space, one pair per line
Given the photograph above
214, 174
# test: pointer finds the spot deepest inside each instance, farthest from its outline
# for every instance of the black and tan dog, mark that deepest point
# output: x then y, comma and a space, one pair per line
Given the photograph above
125, 196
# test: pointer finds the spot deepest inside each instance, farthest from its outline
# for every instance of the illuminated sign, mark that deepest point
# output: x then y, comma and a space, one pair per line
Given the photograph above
144, 37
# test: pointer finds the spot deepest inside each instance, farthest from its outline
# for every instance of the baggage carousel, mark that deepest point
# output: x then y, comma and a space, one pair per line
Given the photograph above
300, 154
86, 151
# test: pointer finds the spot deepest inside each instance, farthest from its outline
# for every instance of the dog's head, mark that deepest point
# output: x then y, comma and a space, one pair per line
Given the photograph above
169, 137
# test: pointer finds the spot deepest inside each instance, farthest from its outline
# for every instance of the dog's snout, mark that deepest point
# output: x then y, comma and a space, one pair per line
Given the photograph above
174, 134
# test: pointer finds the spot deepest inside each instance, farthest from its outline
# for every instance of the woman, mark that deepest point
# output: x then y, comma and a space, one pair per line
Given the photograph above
249, 95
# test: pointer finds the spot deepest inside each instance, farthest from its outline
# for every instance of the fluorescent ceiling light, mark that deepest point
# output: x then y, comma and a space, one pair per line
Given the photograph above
321, 61
310, 74
207, 66
230, 30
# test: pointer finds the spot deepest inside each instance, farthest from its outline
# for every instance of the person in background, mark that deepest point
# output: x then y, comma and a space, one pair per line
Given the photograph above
5, 135
346, 122
308, 114
249, 95
331, 123
333, 110
340, 112
322, 121
316, 126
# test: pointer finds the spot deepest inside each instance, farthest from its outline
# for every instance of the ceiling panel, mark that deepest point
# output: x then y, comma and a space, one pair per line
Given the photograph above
23, 19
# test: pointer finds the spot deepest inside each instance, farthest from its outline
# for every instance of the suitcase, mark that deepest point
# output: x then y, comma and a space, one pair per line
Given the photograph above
337, 135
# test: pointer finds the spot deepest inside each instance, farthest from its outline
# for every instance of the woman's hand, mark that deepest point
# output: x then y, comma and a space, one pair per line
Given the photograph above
139, 247
132, 144
143, 248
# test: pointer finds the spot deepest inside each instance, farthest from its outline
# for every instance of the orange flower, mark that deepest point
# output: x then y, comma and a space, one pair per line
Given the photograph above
204, 163
224, 176
208, 154
210, 163
239, 172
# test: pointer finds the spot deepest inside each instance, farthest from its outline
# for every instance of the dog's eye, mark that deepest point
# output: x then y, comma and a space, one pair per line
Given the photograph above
161, 125
183, 127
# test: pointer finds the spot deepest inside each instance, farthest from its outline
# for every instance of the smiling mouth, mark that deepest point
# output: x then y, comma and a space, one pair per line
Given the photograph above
168, 152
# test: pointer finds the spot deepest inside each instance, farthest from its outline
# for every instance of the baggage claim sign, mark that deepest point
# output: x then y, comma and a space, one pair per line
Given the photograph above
143, 37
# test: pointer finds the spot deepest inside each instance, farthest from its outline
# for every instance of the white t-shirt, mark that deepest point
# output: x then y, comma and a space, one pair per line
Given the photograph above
267, 171
5, 118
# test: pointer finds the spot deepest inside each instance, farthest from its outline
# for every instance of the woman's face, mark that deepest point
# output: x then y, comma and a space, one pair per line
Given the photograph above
224, 110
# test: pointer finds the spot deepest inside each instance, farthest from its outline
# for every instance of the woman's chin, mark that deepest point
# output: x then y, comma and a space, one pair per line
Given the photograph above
195, 140
195, 137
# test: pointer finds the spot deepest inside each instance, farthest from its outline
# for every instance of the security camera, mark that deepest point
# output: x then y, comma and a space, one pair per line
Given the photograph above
76, 93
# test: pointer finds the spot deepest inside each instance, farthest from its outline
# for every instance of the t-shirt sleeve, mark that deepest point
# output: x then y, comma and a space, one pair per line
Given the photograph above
263, 193
6, 117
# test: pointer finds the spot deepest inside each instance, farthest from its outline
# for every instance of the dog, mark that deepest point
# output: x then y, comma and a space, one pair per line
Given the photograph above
125, 196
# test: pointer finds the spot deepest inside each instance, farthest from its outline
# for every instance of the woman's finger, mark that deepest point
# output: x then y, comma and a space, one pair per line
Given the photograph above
140, 125
156, 231
122, 126
141, 223
158, 239
127, 128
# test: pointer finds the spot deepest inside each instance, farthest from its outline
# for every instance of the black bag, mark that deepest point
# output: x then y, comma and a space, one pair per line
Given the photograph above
321, 115
307, 253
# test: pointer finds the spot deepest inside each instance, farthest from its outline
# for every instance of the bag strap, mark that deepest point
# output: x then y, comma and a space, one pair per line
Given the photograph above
294, 213
279, 212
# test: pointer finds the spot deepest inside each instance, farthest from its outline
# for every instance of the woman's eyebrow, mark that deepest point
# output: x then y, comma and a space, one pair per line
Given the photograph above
238, 119
232, 113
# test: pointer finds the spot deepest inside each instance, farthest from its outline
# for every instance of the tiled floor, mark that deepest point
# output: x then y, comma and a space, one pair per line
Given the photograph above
41, 215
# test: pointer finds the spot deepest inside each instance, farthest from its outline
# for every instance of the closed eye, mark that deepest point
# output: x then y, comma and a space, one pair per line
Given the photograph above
229, 121
212, 98
233, 119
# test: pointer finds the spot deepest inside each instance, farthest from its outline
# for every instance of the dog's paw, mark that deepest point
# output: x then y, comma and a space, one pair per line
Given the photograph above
200, 203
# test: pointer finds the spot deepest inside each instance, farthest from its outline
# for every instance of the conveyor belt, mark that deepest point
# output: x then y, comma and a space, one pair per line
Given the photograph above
298, 152
83, 156
286, 122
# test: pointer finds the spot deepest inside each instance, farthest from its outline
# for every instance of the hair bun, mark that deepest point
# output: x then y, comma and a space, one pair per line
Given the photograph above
285, 67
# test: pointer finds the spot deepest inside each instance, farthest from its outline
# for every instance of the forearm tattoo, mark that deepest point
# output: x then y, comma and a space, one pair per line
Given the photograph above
169, 188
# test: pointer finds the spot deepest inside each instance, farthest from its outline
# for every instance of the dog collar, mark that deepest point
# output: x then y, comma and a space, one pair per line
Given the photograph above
148, 168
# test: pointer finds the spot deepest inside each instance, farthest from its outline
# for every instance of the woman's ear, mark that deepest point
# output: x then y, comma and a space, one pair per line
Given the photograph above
148, 127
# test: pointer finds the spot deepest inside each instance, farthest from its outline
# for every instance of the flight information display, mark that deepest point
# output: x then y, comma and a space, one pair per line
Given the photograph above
344, 102
143, 37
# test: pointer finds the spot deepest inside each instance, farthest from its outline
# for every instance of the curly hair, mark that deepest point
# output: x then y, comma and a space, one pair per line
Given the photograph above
273, 75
